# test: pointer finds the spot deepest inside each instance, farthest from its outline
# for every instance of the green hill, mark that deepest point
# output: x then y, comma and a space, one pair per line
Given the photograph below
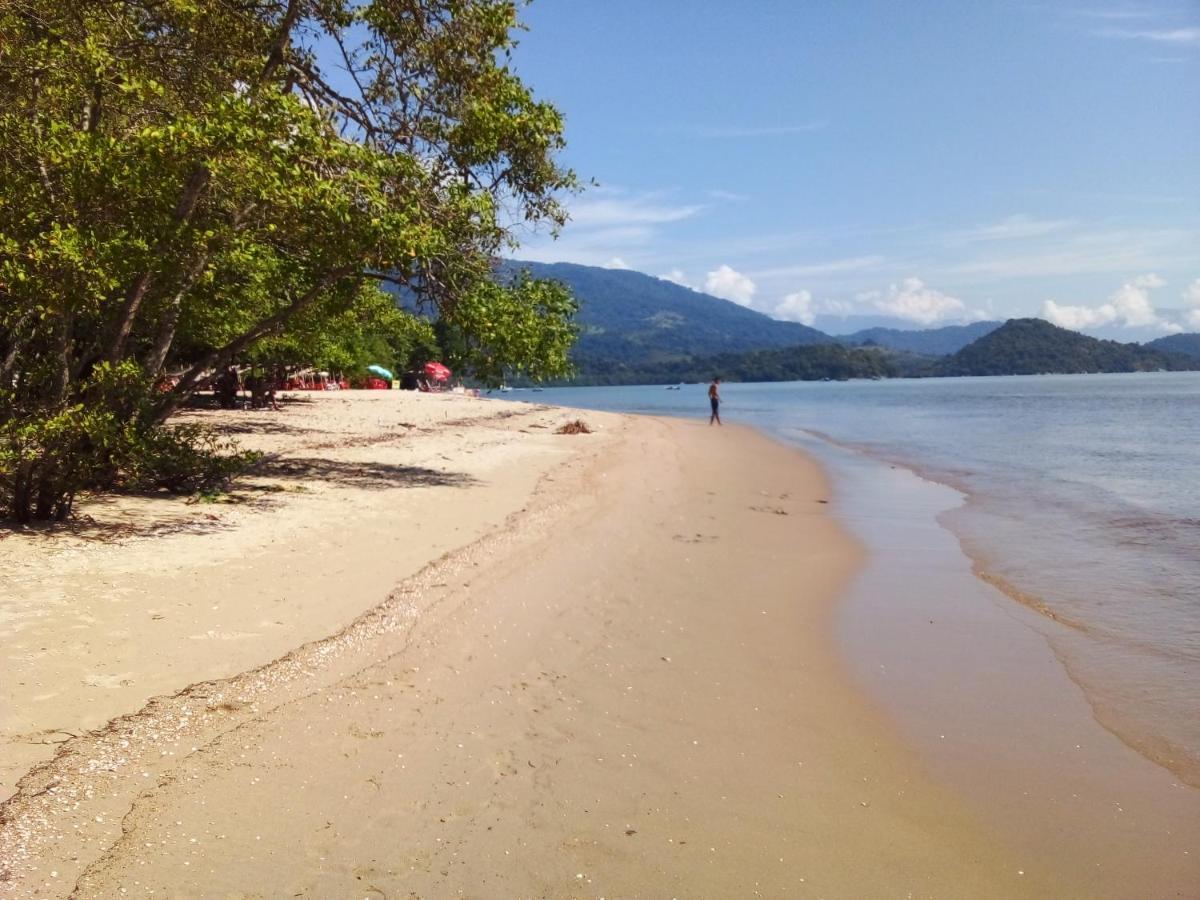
1035, 347
813, 362
629, 319
928, 341
1187, 344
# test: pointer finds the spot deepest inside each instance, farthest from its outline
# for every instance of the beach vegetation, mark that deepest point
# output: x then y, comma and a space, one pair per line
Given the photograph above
187, 185
1035, 346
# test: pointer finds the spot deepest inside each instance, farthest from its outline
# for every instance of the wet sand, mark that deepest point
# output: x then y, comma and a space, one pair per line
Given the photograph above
975, 683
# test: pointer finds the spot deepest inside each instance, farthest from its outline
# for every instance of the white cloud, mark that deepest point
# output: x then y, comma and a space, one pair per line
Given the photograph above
913, 300
1132, 301
1013, 228
801, 306
797, 307
730, 284
1177, 36
1192, 297
1129, 306
830, 267
676, 276
1078, 318
589, 247
616, 211
609, 227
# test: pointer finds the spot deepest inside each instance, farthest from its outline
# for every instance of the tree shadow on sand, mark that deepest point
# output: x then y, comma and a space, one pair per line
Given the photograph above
247, 421
115, 517
375, 475
260, 425
110, 518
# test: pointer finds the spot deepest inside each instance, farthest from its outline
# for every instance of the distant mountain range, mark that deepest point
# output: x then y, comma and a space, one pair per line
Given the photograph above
1188, 344
1016, 347
929, 342
639, 329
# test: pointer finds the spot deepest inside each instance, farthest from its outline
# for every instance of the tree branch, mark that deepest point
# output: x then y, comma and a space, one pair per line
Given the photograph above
184, 209
222, 356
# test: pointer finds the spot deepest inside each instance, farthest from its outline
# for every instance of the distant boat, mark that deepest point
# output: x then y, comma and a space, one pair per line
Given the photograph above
504, 389
674, 387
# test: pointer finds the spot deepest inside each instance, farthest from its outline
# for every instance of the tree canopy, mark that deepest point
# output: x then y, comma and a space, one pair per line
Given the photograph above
184, 180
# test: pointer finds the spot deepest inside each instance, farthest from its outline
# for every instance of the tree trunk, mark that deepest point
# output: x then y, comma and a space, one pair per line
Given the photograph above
224, 355
170, 318
61, 385
9, 362
184, 209
282, 38
192, 192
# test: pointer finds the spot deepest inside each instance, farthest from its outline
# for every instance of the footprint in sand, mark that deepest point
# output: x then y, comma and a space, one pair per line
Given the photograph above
696, 538
109, 682
223, 636
770, 509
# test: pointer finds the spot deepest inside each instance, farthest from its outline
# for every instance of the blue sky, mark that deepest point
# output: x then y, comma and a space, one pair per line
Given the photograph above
934, 161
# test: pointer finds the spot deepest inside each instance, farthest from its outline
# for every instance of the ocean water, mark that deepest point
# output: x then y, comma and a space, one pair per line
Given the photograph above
1082, 502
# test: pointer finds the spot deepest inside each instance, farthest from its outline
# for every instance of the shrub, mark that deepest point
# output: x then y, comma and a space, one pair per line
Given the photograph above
47, 456
46, 460
184, 459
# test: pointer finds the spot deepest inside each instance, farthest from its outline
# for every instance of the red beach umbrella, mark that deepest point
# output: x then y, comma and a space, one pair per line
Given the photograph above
437, 371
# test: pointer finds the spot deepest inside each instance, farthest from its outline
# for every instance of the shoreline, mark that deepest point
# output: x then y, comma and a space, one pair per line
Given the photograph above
1057, 627
1114, 694
973, 680
521, 709
1060, 628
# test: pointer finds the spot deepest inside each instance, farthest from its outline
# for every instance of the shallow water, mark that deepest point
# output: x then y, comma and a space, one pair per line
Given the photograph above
1083, 504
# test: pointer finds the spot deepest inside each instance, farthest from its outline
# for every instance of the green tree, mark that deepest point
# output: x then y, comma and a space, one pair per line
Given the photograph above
525, 326
180, 180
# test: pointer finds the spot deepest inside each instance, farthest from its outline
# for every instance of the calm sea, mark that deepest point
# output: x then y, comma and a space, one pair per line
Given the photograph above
1082, 501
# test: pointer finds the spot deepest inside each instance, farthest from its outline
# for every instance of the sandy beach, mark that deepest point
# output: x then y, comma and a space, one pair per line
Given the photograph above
432, 648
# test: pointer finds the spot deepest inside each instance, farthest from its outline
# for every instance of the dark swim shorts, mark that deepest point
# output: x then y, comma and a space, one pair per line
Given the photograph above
715, 403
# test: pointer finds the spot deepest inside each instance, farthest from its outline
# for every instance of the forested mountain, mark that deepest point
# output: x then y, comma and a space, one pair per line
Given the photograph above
929, 341
814, 362
631, 319
636, 329
1034, 346
1188, 344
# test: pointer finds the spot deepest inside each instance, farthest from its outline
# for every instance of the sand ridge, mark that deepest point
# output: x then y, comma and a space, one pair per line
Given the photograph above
145, 596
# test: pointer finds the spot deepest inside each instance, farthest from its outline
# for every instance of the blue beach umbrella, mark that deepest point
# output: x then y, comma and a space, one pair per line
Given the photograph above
381, 372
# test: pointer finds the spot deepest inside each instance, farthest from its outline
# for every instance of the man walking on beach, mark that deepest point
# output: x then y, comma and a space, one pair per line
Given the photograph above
714, 398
